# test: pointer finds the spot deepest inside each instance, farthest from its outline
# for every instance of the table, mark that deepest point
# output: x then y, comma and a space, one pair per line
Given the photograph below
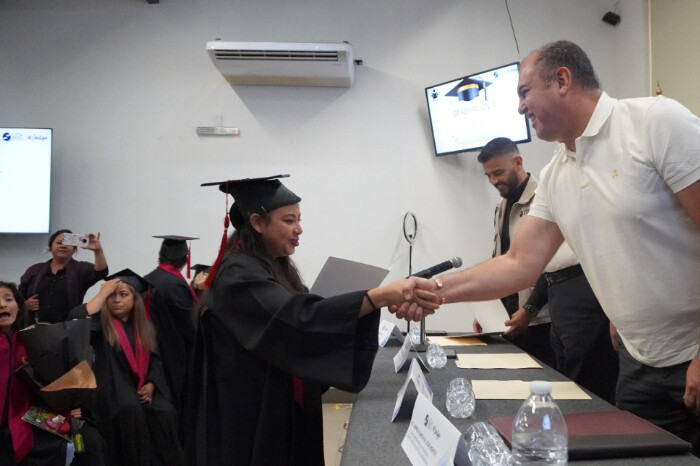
373, 439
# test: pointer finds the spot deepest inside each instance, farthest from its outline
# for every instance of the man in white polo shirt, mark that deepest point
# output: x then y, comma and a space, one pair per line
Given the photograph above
623, 188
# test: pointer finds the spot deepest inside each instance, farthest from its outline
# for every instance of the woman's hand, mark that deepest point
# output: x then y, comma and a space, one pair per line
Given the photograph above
76, 413
94, 243
146, 392
32, 304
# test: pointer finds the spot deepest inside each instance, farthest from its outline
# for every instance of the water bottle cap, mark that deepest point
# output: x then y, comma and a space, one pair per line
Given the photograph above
540, 387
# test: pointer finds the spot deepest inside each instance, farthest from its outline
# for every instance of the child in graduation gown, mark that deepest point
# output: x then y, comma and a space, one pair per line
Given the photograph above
20, 442
135, 414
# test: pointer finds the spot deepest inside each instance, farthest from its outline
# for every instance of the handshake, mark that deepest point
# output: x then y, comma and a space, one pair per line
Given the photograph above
413, 298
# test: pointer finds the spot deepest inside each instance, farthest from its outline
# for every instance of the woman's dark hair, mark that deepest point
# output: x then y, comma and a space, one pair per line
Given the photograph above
52, 238
250, 242
23, 320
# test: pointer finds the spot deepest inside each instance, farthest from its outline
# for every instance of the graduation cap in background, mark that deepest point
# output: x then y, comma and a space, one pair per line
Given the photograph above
130, 277
198, 268
251, 196
468, 89
58, 368
175, 247
138, 283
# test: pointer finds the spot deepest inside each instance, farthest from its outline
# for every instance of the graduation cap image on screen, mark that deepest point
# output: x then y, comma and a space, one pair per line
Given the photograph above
251, 196
175, 247
468, 89
130, 277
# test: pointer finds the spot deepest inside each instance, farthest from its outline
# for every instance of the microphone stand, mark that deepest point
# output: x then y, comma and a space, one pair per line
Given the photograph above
410, 231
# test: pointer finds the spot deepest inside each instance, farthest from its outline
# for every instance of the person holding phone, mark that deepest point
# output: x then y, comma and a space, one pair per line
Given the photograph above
53, 288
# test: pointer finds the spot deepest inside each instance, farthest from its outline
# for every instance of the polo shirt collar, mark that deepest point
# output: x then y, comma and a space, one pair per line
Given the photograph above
601, 113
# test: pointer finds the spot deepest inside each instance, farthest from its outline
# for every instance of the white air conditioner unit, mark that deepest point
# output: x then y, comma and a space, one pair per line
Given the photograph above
284, 63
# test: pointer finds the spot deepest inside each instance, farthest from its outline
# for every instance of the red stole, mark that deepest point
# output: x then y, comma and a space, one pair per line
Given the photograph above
11, 354
173, 271
138, 361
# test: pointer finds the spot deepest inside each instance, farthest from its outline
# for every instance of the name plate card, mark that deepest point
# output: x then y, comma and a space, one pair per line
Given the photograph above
415, 375
431, 439
388, 330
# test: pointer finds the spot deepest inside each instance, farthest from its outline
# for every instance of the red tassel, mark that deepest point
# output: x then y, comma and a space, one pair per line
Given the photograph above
147, 303
189, 256
222, 248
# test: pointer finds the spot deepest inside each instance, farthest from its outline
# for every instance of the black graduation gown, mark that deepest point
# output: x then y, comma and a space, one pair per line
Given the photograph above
170, 308
136, 433
253, 337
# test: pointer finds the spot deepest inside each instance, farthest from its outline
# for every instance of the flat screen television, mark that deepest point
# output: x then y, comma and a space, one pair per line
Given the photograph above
467, 112
25, 179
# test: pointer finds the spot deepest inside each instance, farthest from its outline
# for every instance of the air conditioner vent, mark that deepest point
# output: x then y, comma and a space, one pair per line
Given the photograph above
284, 63
285, 55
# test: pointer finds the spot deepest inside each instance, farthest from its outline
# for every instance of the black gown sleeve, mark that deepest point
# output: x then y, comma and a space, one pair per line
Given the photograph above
316, 339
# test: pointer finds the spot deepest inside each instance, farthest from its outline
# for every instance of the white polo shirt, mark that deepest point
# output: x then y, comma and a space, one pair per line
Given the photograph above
614, 202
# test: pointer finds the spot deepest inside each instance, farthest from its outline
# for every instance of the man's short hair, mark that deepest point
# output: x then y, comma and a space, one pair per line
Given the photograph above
563, 53
497, 147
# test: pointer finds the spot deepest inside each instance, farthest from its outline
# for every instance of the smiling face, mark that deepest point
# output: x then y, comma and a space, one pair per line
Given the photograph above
8, 309
539, 101
503, 172
280, 230
60, 250
121, 302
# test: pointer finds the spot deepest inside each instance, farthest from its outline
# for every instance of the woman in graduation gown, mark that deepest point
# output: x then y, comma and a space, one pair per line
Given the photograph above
266, 349
20, 442
135, 415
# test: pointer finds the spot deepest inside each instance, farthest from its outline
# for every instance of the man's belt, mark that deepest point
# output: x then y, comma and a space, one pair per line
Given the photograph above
563, 274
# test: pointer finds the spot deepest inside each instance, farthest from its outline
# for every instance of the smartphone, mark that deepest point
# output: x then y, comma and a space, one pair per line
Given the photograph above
72, 239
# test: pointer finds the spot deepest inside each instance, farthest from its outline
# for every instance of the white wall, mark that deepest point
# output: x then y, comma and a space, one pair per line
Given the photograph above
125, 83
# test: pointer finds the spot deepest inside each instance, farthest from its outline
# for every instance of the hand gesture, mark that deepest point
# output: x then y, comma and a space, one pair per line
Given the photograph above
94, 243
517, 324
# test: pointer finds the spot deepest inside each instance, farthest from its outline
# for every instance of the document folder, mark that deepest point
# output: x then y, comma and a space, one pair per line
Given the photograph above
608, 434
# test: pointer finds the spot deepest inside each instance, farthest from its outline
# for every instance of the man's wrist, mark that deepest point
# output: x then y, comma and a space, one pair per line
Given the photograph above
531, 311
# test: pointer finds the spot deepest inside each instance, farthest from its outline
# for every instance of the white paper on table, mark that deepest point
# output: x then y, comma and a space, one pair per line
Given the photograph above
497, 361
520, 390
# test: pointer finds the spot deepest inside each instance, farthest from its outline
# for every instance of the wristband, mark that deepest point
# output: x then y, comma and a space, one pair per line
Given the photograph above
531, 311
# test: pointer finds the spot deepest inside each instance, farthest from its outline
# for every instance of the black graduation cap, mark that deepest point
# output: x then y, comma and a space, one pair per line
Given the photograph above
255, 196
130, 277
251, 196
174, 246
468, 88
201, 268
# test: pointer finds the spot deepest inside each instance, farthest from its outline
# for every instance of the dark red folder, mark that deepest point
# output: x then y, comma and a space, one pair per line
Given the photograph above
609, 434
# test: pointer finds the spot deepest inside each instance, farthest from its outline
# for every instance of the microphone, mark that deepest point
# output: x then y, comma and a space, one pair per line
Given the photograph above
439, 268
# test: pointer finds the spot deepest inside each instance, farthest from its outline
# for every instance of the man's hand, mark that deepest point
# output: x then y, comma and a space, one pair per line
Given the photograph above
517, 324
476, 326
421, 299
615, 337
692, 386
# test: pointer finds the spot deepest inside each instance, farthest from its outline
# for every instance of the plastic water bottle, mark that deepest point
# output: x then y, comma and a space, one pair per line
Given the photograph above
436, 356
415, 334
539, 430
486, 447
460, 398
